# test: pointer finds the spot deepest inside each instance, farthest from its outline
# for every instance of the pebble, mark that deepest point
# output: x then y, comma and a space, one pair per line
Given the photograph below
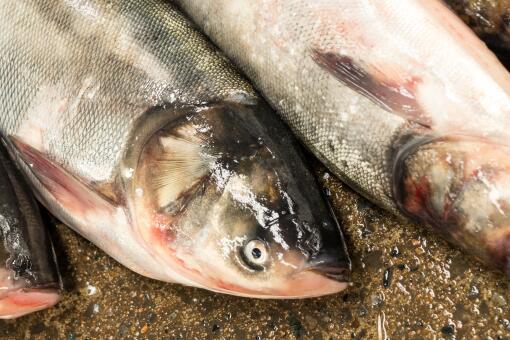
498, 300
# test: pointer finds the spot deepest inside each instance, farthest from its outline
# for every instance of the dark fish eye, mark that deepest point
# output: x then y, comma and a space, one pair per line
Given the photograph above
255, 254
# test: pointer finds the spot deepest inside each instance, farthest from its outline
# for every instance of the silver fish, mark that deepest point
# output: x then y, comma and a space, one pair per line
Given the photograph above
29, 277
398, 98
139, 135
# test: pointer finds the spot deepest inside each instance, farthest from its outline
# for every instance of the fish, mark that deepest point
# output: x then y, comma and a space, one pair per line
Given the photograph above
29, 275
399, 99
135, 131
490, 19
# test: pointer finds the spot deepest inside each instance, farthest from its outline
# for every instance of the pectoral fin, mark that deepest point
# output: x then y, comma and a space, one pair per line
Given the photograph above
393, 93
72, 194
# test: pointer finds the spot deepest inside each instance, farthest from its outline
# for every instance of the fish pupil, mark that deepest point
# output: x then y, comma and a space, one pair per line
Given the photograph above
256, 253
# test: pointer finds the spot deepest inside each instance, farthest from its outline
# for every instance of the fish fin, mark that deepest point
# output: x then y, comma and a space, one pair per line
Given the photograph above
73, 195
179, 169
396, 96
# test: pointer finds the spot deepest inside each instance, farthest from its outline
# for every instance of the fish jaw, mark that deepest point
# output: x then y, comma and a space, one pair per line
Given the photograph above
18, 297
461, 188
302, 286
20, 302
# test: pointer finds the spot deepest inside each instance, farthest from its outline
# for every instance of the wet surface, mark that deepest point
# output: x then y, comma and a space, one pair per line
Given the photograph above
486, 17
406, 283
490, 19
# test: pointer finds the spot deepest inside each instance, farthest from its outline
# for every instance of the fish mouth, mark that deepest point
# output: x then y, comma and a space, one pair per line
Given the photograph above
22, 301
304, 285
337, 274
333, 263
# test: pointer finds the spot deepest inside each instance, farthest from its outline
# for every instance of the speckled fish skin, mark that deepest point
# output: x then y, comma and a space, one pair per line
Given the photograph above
29, 277
398, 98
142, 137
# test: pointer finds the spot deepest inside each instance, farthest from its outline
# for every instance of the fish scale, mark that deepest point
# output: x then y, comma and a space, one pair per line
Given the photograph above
76, 141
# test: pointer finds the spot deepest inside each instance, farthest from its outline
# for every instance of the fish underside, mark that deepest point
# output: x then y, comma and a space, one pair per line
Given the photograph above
400, 99
29, 277
137, 133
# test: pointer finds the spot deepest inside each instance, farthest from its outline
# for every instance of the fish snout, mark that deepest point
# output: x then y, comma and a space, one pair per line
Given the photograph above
332, 263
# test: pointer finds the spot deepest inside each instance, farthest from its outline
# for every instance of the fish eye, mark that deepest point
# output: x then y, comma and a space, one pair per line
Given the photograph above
255, 254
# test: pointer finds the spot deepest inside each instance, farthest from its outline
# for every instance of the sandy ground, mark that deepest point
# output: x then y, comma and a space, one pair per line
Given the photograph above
405, 283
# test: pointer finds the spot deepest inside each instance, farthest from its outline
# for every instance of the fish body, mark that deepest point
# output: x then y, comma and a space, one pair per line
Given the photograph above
29, 277
138, 134
398, 98
490, 19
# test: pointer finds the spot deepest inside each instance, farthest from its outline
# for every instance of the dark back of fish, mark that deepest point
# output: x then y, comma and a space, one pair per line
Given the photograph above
26, 249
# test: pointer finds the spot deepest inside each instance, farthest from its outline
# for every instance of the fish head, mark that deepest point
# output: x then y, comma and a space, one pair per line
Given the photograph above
224, 195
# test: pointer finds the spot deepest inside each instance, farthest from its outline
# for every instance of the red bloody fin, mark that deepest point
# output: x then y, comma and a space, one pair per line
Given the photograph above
398, 96
70, 192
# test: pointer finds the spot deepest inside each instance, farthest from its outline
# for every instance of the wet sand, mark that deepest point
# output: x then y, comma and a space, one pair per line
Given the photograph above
406, 283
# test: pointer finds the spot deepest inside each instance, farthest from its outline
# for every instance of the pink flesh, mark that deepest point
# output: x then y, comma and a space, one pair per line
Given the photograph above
19, 302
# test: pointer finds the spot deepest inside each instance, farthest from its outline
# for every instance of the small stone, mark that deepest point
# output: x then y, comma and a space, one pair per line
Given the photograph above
401, 266
420, 251
388, 273
376, 300
93, 308
363, 311
71, 335
144, 329
498, 300
394, 252
473, 291
505, 323
448, 329
415, 243
124, 329
215, 328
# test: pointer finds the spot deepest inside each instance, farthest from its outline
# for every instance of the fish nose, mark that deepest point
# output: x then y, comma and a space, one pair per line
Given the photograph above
334, 264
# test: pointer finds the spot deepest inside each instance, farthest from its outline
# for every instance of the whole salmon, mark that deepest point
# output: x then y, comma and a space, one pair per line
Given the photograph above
399, 98
138, 134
